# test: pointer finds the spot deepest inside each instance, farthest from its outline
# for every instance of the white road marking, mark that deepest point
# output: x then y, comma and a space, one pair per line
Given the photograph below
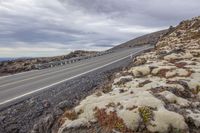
31, 92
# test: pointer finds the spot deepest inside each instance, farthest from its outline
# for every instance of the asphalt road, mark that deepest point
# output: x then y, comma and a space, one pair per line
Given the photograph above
16, 86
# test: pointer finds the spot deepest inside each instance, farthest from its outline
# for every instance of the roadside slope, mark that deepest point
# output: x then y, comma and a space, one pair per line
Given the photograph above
159, 93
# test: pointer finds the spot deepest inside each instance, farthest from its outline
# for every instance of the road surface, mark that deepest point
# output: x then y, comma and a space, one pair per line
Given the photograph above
16, 86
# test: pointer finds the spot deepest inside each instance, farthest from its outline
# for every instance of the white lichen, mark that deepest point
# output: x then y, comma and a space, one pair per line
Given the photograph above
175, 99
163, 119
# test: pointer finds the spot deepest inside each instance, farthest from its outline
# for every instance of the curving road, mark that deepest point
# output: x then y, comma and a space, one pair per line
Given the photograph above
16, 86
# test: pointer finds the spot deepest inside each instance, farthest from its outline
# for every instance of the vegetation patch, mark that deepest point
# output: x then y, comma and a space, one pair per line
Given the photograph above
197, 90
69, 114
144, 83
98, 94
146, 114
181, 64
107, 88
123, 81
162, 72
131, 108
139, 61
110, 121
112, 104
174, 60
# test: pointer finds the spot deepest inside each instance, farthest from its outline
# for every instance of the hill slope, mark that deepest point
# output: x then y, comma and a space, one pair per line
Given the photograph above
160, 92
151, 38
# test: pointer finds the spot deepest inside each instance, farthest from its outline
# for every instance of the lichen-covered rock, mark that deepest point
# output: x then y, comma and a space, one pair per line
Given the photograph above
82, 122
175, 56
195, 117
139, 61
175, 99
140, 71
164, 120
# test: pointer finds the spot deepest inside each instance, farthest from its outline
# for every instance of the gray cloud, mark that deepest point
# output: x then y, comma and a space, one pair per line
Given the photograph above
64, 25
145, 12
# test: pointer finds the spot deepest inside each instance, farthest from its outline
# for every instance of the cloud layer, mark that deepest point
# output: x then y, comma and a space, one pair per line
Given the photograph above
55, 27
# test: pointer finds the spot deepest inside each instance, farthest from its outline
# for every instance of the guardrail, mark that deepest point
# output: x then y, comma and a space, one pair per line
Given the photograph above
76, 59
69, 61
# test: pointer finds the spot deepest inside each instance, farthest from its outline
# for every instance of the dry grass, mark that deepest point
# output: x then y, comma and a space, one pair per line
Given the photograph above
139, 62
110, 121
180, 64
123, 81
98, 94
142, 84
174, 60
112, 104
107, 88
197, 90
189, 73
131, 108
162, 72
69, 114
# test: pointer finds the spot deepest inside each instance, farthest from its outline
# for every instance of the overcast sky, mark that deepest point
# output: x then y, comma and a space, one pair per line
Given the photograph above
54, 27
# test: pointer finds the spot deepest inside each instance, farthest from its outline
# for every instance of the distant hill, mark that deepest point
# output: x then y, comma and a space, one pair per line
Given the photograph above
6, 59
151, 38
3, 59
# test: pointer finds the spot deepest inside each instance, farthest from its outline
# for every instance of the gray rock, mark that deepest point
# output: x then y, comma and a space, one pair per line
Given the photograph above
44, 125
65, 104
46, 103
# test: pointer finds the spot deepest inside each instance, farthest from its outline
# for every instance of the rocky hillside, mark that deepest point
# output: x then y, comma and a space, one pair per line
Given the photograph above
159, 92
151, 38
21, 65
